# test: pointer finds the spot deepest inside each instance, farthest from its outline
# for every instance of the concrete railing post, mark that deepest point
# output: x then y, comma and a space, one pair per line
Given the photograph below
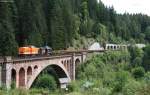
83, 56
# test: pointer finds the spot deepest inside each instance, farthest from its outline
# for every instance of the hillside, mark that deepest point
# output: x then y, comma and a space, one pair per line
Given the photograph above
124, 72
63, 23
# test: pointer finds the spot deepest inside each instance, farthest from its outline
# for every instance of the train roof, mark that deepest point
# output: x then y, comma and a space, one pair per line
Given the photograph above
27, 46
46, 47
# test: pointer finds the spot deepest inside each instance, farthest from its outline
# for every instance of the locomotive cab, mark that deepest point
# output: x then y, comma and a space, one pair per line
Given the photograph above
46, 50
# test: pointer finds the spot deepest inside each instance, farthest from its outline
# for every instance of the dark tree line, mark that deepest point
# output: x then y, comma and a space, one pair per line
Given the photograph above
57, 22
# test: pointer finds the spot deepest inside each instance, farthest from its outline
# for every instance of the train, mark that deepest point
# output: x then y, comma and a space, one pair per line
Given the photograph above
32, 50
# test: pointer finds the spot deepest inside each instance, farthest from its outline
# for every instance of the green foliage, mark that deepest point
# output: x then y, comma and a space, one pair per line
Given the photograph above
13, 85
104, 91
110, 74
147, 78
146, 58
46, 81
8, 43
73, 86
137, 61
147, 33
35, 39
100, 32
103, 71
131, 87
136, 56
121, 80
144, 90
138, 72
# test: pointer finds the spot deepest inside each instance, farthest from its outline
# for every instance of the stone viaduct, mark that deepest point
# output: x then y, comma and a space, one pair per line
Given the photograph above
24, 71
115, 46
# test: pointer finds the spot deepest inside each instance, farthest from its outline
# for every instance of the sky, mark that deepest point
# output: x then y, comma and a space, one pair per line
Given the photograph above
130, 6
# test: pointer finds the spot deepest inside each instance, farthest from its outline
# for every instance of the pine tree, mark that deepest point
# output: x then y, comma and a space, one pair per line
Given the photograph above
57, 27
7, 38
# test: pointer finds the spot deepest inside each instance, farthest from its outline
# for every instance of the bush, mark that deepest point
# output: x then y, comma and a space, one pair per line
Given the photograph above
18, 92
138, 72
13, 85
137, 62
73, 86
144, 90
147, 78
104, 91
46, 81
109, 78
131, 87
146, 58
120, 81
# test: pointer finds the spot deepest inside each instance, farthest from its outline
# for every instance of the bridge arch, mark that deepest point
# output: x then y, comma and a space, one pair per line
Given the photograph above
59, 69
29, 73
22, 77
13, 77
77, 62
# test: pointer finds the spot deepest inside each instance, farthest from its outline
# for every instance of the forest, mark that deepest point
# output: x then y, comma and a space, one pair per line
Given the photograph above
62, 23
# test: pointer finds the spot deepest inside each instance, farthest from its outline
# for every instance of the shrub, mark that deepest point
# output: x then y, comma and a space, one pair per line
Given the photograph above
46, 81
146, 58
109, 78
131, 87
137, 62
73, 86
104, 91
18, 92
144, 90
138, 72
120, 81
147, 78
13, 85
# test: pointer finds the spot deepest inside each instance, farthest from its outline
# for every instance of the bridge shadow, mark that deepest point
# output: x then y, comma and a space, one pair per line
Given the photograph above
22, 77
53, 70
13, 78
77, 64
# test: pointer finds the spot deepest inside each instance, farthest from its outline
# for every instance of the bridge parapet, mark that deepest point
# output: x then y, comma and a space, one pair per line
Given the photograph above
116, 46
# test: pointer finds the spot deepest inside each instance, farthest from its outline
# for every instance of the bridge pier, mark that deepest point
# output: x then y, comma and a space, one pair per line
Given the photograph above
17, 79
0, 75
83, 57
6, 72
73, 63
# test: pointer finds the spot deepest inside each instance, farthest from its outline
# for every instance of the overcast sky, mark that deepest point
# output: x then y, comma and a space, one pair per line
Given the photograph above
130, 6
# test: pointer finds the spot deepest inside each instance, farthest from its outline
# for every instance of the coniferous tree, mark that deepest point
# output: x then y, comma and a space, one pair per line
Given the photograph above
57, 27
8, 45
